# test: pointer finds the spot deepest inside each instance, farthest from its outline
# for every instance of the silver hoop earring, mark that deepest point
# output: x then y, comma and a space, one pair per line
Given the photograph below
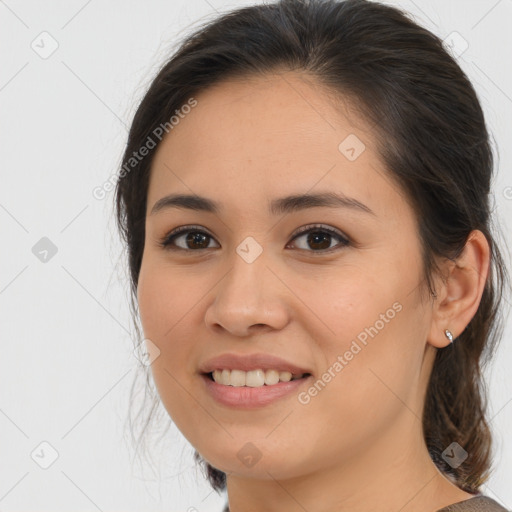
449, 335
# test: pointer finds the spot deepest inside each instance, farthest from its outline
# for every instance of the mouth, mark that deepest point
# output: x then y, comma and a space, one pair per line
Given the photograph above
254, 389
253, 378
251, 381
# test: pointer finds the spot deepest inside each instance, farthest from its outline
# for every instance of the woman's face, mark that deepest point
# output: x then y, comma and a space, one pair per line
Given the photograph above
341, 304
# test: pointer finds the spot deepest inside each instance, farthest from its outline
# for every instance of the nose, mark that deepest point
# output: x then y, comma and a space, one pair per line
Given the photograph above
249, 299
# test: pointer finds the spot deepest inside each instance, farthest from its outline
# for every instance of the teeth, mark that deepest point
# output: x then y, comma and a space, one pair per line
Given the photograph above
271, 377
253, 378
285, 376
224, 378
237, 378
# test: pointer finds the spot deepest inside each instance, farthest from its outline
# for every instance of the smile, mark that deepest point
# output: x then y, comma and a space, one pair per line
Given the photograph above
242, 395
253, 378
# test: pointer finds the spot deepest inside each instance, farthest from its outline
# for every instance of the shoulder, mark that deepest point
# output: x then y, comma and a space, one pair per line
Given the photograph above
476, 504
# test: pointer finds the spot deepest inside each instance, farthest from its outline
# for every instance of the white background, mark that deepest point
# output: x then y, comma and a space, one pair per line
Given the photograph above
66, 361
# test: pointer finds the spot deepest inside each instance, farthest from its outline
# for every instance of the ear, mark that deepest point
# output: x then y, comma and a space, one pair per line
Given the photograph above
459, 295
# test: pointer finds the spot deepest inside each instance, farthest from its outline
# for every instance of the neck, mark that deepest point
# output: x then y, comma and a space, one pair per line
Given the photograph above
394, 474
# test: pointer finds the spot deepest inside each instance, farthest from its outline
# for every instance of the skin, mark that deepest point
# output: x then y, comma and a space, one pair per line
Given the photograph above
358, 444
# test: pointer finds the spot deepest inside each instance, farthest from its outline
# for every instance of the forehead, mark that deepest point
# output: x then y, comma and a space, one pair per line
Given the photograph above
263, 135
265, 113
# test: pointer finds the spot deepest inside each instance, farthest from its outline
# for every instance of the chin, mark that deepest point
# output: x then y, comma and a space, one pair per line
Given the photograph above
252, 462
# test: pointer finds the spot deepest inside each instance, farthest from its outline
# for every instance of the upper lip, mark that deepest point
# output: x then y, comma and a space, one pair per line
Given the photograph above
251, 362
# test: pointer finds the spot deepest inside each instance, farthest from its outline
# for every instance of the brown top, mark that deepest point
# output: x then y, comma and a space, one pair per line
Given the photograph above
476, 504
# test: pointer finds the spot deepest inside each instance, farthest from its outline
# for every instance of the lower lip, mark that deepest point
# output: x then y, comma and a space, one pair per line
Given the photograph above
244, 397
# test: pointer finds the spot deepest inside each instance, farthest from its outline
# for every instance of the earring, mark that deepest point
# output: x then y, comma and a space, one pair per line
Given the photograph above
449, 335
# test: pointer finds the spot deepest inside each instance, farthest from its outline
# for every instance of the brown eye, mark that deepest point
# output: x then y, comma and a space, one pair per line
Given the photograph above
196, 240
190, 240
316, 239
319, 239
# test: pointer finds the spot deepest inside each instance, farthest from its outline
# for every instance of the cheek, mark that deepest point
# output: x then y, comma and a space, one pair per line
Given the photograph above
353, 306
168, 313
165, 312
165, 301
372, 353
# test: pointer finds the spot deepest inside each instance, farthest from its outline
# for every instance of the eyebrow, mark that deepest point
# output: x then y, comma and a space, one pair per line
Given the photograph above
278, 206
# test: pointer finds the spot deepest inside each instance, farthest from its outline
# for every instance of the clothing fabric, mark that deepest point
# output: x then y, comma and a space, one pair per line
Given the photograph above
477, 504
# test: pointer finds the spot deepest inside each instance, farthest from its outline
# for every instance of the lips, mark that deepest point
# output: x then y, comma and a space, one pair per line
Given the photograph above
250, 362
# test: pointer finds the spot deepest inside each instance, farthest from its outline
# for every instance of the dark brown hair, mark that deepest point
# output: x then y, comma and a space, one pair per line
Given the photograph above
432, 138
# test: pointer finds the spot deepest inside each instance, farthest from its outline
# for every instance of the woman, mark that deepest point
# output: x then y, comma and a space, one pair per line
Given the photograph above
305, 202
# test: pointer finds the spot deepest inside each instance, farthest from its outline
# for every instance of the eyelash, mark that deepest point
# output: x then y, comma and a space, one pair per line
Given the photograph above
167, 241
